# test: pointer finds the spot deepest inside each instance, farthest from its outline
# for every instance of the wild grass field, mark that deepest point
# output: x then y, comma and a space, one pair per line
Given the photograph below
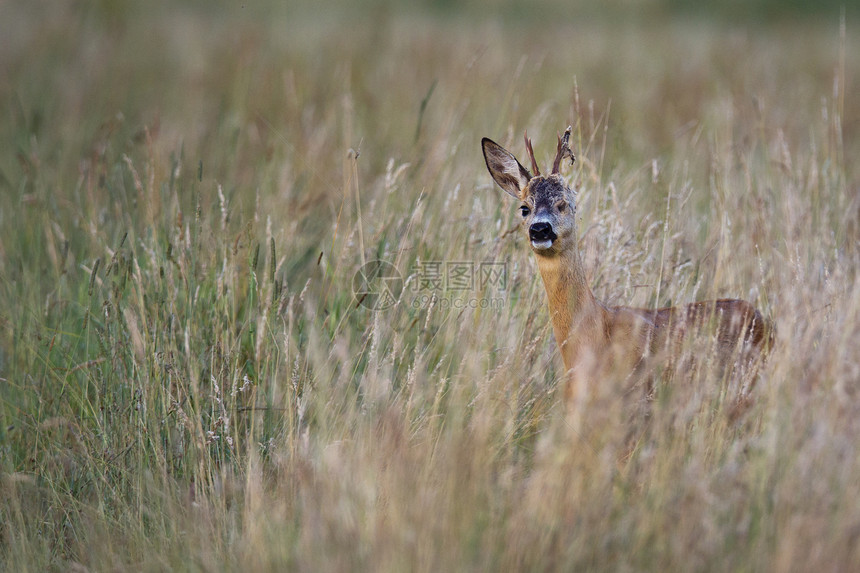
189, 382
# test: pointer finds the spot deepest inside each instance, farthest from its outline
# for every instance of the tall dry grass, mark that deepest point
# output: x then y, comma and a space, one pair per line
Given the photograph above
190, 383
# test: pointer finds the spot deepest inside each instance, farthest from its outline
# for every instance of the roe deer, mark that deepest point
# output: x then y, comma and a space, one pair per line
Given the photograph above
596, 340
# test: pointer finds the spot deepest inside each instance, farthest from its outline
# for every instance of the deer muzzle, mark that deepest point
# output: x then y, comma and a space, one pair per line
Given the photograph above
542, 235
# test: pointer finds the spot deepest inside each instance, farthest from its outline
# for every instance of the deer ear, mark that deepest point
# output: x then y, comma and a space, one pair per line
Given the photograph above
505, 169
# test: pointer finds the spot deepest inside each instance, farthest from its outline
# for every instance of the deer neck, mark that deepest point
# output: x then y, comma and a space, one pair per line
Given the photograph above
577, 317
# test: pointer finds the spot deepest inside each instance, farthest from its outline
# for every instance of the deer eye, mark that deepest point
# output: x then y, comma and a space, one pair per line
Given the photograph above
561, 206
525, 210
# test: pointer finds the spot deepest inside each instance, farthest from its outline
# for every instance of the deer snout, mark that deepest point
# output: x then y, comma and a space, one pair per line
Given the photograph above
542, 231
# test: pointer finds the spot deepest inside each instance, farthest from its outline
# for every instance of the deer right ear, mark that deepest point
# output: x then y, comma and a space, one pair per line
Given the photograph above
507, 172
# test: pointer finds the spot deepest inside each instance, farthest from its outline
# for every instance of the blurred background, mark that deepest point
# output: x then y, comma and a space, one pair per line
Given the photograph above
195, 67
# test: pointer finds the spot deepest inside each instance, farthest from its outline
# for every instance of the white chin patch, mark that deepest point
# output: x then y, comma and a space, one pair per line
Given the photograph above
541, 245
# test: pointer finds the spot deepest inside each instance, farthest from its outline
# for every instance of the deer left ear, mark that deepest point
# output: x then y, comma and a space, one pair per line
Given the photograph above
507, 172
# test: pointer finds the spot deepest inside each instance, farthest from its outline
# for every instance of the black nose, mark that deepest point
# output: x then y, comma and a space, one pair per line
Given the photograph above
542, 231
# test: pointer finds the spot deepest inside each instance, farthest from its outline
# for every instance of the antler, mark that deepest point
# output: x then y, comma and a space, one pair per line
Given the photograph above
531, 153
562, 151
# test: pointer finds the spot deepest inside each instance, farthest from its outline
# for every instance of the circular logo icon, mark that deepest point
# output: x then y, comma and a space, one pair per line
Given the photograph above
377, 285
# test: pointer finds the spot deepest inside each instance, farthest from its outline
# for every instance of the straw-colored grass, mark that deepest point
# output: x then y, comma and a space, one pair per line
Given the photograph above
189, 383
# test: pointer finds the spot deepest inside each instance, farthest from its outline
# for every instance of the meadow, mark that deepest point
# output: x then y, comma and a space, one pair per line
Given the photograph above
192, 377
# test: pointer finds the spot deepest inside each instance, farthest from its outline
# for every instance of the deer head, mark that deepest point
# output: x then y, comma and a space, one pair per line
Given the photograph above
548, 205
